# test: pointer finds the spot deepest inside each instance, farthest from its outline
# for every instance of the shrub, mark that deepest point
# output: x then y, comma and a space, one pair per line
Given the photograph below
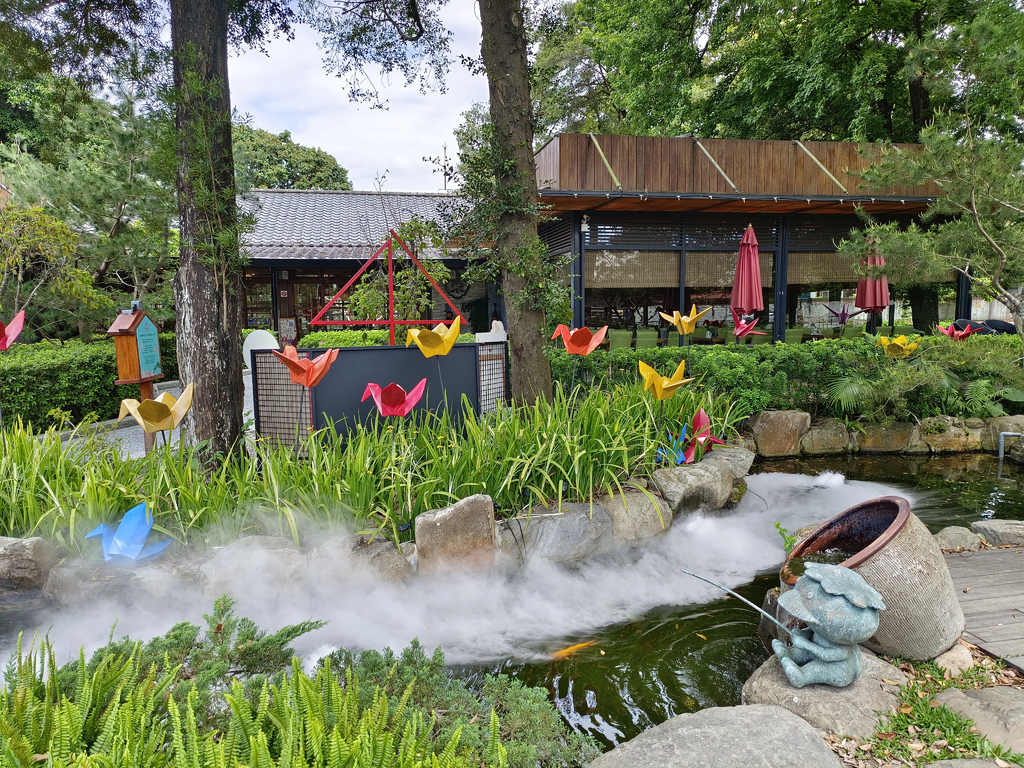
375, 338
75, 378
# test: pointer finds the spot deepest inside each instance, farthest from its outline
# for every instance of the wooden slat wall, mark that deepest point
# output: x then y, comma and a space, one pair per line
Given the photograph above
657, 164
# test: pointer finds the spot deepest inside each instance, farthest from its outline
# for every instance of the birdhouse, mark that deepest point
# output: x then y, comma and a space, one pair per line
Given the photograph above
137, 345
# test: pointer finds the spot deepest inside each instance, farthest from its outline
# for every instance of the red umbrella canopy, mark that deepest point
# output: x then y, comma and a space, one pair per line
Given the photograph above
872, 292
746, 288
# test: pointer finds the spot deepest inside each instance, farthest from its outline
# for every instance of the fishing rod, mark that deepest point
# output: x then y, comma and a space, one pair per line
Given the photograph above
741, 597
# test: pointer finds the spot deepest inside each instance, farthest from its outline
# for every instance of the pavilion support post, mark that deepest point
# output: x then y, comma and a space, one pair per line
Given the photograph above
579, 244
682, 275
780, 277
963, 296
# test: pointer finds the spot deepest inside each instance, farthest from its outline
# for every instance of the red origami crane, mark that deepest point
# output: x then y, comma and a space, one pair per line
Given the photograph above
579, 341
742, 329
958, 335
8, 333
392, 400
308, 373
701, 435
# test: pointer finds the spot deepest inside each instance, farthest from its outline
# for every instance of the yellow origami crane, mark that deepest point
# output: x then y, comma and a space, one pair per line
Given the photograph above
685, 324
436, 342
164, 413
664, 387
897, 348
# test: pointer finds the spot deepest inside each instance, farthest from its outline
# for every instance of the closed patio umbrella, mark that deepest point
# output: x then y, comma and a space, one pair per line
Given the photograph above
746, 288
872, 292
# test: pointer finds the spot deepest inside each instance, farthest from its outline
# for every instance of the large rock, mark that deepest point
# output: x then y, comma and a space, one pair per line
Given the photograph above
891, 438
999, 533
25, 563
825, 437
778, 433
357, 558
734, 459
997, 712
850, 711
575, 533
252, 565
947, 434
691, 486
636, 515
1015, 453
990, 435
151, 586
956, 537
458, 538
725, 737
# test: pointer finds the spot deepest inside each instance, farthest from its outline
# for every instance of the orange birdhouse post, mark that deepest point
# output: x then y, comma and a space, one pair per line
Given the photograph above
137, 345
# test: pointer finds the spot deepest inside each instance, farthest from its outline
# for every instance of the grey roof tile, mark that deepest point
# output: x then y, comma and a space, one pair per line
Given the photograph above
315, 224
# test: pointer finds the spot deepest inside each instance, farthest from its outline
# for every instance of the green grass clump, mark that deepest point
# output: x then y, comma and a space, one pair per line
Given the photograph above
370, 338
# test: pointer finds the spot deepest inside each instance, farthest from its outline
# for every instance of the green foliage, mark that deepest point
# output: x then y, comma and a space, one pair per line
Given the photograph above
532, 732
73, 377
328, 339
274, 161
788, 540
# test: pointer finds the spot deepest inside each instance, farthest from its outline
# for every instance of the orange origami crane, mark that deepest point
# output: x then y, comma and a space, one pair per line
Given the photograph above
164, 413
685, 324
897, 348
308, 373
663, 387
579, 341
436, 342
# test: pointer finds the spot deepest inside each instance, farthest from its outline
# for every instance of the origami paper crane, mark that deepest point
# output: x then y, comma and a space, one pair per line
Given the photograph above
128, 542
308, 373
701, 434
675, 451
579, 341
741, 329
437, 342
843, 315
663, 387
164, 413
897, 348
688, 323
393, 400
958, 335
8, 333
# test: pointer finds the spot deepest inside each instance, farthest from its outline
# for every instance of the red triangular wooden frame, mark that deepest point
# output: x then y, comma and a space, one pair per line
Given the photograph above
391, 321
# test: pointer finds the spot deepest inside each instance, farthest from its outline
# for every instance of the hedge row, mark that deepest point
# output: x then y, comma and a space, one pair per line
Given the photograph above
45, 383
327, 339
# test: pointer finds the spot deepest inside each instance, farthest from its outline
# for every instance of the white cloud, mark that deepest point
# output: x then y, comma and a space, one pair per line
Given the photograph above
290, 90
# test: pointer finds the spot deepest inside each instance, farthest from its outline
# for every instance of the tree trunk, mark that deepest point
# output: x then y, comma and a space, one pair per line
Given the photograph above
517, 247
208, 285
924, 306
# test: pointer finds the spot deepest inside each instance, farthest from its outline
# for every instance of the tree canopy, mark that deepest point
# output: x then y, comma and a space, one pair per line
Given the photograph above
273, 161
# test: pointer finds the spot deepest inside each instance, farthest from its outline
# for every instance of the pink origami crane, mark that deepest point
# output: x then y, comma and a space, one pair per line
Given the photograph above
393, 400
843, 315
579, 341
742, 329
8, 333
958, 335
308, 373
701, 435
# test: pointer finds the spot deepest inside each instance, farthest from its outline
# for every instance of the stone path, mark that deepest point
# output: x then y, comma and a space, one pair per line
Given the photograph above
990, 588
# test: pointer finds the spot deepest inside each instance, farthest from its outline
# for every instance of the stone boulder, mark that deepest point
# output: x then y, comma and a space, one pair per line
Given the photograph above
725, 737
459, 538
1015, 453
990, 435
254, 564
956, 660
151, 586
997, 712
999, 533
956, 537
357, 558
850, 711
825, 437
708, 483
948, 434
575, 533
891, 438
637, 515
778, 433
25, 563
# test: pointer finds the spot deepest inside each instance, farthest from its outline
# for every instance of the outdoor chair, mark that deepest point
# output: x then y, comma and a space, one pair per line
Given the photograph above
766, 339
851, 331
673, 338
646, 338
795, 335
619, 340
903, 330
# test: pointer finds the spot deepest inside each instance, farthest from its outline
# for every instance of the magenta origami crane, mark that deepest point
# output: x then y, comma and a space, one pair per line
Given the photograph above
742, 329
8, 333
702, 436
958, 335
843, 315
393, 400
579, 341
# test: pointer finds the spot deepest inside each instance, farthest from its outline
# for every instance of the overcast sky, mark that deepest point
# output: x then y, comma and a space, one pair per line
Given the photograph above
288, 90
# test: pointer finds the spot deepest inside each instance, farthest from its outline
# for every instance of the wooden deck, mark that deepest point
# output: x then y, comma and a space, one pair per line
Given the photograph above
990, 587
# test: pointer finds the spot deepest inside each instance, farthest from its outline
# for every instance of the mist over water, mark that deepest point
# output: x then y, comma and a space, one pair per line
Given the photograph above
485, 618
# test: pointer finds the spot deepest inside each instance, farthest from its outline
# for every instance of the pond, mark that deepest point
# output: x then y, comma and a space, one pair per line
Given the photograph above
659, 642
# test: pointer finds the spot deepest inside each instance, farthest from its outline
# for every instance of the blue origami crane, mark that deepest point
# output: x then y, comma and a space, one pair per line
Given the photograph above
675, 451
128, 542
